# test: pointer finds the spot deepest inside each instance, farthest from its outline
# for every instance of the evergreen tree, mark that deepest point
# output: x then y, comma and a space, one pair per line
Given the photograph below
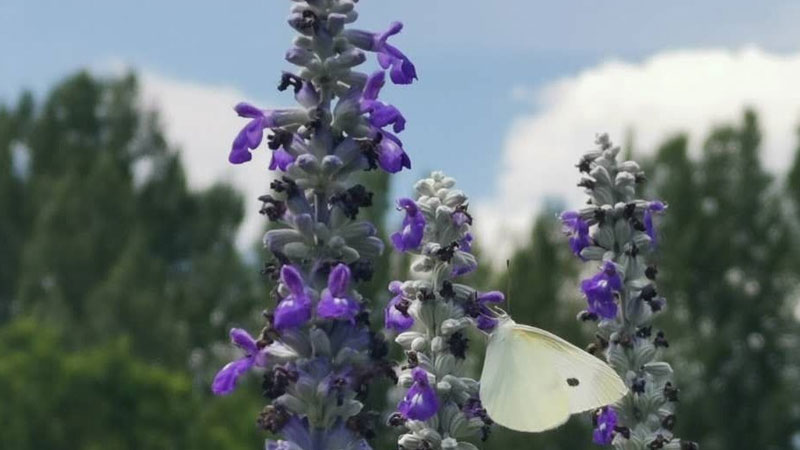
726, 274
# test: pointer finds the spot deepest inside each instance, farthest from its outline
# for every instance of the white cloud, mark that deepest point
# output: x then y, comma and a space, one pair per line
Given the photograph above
200, 120
673, 91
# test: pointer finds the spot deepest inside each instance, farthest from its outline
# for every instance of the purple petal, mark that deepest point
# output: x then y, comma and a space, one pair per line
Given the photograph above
391, 156
243, 340
420, 402
239, 152
225, 380
292, 312
491, 297
394, 319
339, 280
606, 422
293, 280
308, 96
333, 307
374, 84
394, 28
281, 159
248, 110
486, 323
255, 132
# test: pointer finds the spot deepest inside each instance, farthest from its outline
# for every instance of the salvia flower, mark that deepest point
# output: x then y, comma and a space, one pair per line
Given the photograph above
410, 236
606, 421
601, 290
420, 402
225, 380
322, 354
335, 303
432, 314
578, 231
652, 207
616, 231
396, 315
293, 310
401, 69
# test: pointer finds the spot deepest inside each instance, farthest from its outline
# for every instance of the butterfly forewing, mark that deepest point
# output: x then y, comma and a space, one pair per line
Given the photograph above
519, 387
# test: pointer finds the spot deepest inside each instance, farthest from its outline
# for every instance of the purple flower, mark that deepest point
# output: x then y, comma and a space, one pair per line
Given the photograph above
410, 237
402, 70
293, 310
391, 156
380, 114
465, 243
606, 420
479, 309
225, 380
280, 160
396, 315
653, 207
420, 402
251, 135
600, 289
577, 229
334, 302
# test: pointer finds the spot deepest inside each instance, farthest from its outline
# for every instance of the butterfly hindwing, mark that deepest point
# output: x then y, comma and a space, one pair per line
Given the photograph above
589, 382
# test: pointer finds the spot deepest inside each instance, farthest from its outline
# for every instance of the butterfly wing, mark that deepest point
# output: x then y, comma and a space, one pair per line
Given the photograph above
519, 387
588, 382
533, 380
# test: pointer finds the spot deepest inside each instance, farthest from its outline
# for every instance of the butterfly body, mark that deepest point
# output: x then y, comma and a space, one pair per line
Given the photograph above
533, 380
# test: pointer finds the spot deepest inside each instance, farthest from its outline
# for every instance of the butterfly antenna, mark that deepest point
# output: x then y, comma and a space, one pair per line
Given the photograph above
508, 284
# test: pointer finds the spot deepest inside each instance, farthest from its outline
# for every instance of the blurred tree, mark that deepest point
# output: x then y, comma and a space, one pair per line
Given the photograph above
101, 237
725, 270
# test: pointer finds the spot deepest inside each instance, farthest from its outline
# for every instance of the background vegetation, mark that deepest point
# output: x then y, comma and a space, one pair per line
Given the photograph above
118, 284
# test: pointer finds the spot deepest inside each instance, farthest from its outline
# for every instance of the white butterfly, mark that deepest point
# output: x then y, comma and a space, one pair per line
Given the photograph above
533, 380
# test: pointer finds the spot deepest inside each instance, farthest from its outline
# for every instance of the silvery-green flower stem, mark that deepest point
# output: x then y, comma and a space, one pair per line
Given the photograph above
435, 342
628, 341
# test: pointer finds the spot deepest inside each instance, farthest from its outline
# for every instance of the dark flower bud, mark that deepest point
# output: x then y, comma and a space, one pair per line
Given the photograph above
644, 332
630, 209
447, 290
661, 340
362, 270
623, 431
396, 420
272, 418
290, 79
648, 293
638, 386
668, 422
584, 165
651, 272
670, 392
458, 345
586, 316
689, 445
658, 442
445, 254
413, 360
279, 138
363, 424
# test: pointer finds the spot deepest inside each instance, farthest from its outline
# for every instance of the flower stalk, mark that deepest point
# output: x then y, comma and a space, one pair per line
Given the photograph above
317, 353
440, 408
617, 231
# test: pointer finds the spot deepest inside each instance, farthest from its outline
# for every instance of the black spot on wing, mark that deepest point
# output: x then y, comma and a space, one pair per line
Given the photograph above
573, 382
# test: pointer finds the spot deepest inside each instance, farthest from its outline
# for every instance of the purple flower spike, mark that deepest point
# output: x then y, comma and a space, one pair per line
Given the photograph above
420, 402
252, 134
465, 243
225, 380
396, 315
600, 289
606, 421
650, 229
335, 303
295, 309
410, 237
578, 230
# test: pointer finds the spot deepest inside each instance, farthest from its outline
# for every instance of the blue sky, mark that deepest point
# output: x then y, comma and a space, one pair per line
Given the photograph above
472, 56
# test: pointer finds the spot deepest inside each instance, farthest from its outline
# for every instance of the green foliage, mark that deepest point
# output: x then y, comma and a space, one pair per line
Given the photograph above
726, 270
